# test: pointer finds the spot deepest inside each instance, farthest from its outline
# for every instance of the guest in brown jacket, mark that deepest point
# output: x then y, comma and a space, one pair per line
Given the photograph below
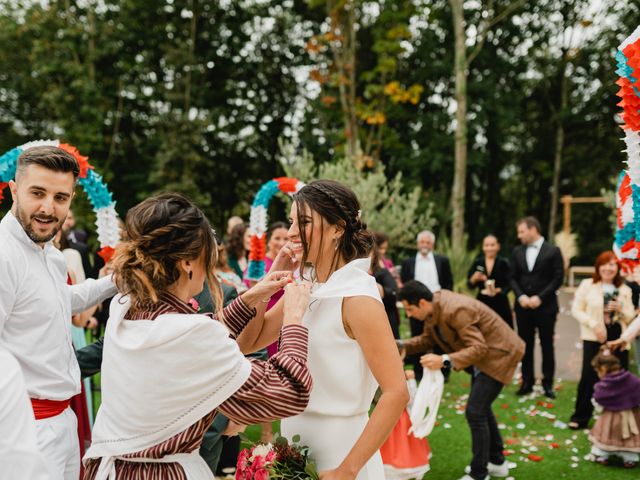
471, 335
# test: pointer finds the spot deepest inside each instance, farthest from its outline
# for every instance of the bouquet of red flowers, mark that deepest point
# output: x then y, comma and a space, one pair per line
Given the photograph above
279, 460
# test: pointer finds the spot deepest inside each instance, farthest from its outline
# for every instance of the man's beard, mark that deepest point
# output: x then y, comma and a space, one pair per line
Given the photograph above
25, 221
425, 251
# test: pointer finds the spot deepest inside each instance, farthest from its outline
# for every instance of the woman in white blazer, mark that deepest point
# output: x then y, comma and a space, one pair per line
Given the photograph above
603, 307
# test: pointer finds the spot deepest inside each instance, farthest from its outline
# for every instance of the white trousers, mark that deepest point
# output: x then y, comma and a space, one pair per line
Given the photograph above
58, 442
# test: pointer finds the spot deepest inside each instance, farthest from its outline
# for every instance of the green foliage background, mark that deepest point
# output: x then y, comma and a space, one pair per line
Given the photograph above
193, 95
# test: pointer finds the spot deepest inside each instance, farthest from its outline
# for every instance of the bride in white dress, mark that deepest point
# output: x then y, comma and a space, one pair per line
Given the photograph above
351, 346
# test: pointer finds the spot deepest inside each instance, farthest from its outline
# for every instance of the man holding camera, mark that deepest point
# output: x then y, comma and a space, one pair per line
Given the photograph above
473, 337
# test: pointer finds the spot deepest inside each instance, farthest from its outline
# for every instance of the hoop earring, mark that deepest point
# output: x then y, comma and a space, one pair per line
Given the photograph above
190, 275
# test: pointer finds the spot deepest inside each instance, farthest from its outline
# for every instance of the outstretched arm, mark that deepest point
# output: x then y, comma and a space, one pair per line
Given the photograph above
279, 387
91, 292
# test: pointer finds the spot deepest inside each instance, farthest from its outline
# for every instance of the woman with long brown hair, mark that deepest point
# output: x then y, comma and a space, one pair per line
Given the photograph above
351, 346
168, 370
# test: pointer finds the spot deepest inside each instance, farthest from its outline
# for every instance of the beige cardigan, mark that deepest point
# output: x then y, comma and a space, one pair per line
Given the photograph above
588, 308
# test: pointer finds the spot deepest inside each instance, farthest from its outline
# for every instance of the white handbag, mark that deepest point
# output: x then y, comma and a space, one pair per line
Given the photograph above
424, 410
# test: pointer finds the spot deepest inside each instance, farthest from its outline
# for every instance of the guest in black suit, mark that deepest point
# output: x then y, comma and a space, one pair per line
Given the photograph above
432, 270
78, 241
538, 272
491, 275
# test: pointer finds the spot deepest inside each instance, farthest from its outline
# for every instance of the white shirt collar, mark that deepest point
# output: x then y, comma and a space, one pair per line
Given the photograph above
537, 244
424, 258
15, 228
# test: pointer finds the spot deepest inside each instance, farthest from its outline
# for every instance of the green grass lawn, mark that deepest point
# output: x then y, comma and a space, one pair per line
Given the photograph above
528, 427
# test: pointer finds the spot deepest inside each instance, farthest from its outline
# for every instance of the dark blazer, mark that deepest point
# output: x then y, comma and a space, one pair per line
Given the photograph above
501, 273
445, 277
83, 250
544, 280
389, 287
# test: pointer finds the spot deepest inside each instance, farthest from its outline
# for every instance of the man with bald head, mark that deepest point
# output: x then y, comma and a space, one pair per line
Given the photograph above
432, 270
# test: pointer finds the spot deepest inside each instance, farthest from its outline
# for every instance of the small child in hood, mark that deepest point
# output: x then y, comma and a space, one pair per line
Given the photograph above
617, 431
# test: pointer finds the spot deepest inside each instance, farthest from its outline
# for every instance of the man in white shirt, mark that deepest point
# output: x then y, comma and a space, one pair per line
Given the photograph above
538, 272
20, 456
430, 269
36, 304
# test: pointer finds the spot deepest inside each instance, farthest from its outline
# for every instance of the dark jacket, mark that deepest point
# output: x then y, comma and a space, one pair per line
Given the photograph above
445, 277
501, 273
389, 287
472, 334
544, 280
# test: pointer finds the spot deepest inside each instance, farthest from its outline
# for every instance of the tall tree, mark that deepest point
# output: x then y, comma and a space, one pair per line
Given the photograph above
463, 60
569, 29
357, 63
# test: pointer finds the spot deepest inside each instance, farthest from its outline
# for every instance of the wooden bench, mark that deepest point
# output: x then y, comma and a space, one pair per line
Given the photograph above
579, 271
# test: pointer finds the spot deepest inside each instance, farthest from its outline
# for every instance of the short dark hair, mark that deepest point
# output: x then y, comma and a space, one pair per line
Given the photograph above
531, 223
413, 291
49, 157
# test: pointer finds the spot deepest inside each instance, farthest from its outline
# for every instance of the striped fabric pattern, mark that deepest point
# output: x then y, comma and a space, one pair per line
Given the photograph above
275, 389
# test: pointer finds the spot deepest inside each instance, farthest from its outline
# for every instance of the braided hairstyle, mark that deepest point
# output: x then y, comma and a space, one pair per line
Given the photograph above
161, 231
337, 205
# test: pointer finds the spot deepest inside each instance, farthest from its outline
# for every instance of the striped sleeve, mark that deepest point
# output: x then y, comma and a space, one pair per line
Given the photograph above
277, 388
236, 315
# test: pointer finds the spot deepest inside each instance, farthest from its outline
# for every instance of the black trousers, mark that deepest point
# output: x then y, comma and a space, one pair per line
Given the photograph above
486, 441
500, 305
545, 323
584, 408
417, 327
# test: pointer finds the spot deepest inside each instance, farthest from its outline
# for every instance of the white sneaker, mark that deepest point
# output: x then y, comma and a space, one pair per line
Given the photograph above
493, 469
498, 470
468, 477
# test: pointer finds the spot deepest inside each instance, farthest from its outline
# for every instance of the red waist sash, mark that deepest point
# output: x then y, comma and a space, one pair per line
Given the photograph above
48, 408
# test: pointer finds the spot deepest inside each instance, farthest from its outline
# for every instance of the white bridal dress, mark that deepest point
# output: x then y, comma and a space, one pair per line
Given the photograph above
343, 385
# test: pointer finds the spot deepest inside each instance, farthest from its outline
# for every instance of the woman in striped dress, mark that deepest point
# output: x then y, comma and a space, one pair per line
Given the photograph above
167, 371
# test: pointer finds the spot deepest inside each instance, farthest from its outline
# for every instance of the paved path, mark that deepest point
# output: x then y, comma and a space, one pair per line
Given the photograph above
568, 344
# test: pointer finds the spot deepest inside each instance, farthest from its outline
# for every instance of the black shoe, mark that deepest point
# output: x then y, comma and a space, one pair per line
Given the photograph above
524, 389
549, 393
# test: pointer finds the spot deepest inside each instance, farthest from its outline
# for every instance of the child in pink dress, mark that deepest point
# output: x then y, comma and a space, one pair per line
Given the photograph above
617, 431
